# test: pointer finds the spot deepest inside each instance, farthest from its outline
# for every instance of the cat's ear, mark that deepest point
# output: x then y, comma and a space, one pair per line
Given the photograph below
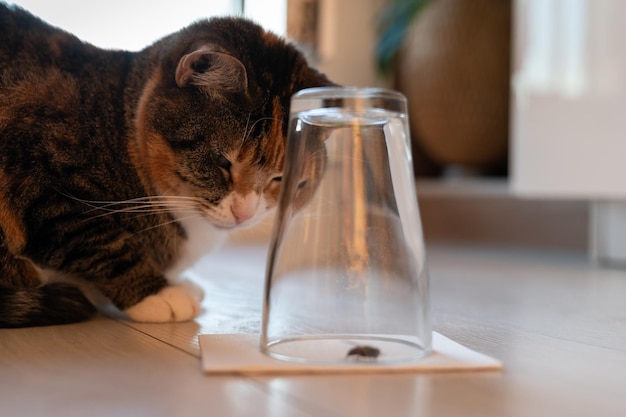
213, 71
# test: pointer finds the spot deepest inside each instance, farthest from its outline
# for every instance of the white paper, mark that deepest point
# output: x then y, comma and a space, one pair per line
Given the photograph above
240, 354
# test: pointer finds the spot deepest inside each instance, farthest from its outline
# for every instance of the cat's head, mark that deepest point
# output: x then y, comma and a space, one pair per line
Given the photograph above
212, 118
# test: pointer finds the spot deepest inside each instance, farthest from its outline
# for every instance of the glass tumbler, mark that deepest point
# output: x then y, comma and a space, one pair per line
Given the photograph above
346, 278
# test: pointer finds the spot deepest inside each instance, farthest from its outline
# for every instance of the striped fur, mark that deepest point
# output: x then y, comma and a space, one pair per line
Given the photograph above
108, 158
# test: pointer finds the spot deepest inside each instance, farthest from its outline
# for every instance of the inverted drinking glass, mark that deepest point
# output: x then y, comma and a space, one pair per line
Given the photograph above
346, 278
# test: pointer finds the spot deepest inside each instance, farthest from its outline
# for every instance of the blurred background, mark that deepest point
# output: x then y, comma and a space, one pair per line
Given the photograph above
516, 106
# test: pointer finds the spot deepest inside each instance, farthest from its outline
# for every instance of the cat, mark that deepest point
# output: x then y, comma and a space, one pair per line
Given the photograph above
119, 169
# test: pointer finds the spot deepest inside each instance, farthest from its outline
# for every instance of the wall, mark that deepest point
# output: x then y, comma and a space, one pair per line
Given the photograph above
347, 37
569, 89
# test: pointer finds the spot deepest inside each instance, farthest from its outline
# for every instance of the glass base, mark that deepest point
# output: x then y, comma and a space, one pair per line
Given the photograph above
346, 349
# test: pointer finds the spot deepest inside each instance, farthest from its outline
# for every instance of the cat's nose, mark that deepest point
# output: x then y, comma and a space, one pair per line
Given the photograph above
241, 215
243, 208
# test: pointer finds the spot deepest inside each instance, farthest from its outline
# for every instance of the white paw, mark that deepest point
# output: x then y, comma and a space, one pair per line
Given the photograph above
172, 303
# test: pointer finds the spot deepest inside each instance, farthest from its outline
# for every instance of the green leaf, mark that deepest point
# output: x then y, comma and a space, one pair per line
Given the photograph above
394, 22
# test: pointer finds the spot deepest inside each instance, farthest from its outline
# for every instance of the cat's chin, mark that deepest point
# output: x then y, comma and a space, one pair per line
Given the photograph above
247, 224
225, 228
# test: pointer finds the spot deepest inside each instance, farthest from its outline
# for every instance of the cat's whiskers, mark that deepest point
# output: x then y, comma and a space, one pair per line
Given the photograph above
143, 206
316, 155
147, 200
145, 211
140, 205
245, 131
196, 215
248, 132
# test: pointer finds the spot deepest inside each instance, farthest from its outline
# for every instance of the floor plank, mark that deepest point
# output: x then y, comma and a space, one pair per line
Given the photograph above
104, 368
555, 321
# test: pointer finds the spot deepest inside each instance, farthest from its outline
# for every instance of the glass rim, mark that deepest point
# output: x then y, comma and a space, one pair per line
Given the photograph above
335, 92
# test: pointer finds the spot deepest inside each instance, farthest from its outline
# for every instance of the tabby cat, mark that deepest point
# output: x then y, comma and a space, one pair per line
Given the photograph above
119, 169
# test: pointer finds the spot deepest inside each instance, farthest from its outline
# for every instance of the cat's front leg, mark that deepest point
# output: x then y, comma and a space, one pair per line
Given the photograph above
173, 303
144, 294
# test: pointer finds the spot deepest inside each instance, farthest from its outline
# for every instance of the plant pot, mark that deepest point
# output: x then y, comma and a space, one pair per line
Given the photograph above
454, 68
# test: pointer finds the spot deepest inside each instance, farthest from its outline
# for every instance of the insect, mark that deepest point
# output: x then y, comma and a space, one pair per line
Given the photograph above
363, 353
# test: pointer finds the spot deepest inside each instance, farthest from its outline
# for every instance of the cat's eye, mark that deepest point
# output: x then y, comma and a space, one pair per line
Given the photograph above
277, 178
221, 161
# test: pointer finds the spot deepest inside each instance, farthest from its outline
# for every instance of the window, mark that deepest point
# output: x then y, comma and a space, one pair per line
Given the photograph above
133, 24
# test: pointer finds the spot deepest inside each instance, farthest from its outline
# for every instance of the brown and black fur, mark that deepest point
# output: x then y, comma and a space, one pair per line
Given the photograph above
82, 129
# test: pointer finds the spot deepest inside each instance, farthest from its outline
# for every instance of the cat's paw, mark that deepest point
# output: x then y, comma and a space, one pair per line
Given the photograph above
172, 303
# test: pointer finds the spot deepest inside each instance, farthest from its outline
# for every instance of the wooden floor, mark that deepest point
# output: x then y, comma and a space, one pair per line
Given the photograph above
557, 323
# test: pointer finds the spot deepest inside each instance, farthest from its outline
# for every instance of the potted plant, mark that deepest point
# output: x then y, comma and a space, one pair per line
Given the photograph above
451, 58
